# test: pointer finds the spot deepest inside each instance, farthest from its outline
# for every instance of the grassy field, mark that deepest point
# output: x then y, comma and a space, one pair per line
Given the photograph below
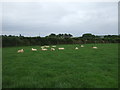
69, 68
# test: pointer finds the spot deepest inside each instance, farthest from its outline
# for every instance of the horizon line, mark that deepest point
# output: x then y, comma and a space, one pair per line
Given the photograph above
57, 34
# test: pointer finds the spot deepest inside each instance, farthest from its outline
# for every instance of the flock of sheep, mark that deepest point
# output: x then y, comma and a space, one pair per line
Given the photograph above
44, 48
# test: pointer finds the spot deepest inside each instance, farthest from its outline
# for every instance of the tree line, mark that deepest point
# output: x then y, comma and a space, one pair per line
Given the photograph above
53, 39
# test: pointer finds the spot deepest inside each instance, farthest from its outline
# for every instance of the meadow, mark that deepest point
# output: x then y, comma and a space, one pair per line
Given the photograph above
69, 68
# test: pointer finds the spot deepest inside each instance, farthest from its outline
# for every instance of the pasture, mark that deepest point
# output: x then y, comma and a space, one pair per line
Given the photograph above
69, 68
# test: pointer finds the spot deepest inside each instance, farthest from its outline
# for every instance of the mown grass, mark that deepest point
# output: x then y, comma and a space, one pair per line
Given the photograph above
83, 68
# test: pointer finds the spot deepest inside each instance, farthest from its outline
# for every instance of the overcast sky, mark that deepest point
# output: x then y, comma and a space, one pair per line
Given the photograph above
33, 19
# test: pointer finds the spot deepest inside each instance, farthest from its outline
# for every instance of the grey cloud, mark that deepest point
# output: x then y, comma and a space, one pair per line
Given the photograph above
44, 18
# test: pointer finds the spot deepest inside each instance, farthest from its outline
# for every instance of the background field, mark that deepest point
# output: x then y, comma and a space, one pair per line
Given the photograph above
83, 68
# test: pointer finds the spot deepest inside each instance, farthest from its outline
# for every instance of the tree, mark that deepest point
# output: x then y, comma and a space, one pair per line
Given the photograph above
67, 35
70, 35
52, 35
88, 36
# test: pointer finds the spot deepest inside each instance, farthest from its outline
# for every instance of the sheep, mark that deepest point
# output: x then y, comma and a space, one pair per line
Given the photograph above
43, 49
95, 47
34, 49
53, 46
46, 46
42, 46
82, 45
52, 49
76, 48
61, 48
20, 51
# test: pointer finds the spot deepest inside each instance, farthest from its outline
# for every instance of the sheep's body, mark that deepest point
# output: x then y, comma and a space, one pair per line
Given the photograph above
44, 49
52, 49
61, 48
42, 46
76, 48
82, 45
53, 46
20, 51
95, 47
34, 49
46, 46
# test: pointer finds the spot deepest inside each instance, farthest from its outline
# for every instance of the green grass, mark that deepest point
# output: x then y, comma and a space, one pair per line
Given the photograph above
83, 68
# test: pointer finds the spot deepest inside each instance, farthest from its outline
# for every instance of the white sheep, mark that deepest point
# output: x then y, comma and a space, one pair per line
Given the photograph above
82, 45
44, 49
76, 48
61, 48
52, 49
20, 51
34, 49
95, 47
42, 46
46, 46
53, 46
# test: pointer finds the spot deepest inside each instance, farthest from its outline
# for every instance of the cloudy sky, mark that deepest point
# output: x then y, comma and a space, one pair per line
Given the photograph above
42, 18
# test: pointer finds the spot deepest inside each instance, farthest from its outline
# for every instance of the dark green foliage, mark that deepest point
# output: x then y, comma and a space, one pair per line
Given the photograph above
88, 36
54, 39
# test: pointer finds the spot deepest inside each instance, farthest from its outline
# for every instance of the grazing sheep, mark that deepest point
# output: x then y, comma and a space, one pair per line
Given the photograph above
76, 48
46, 46
82, 45
61, 48
20, 51
53, 46
95, 47
34, 49
52, 49
43, 49
42, 46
